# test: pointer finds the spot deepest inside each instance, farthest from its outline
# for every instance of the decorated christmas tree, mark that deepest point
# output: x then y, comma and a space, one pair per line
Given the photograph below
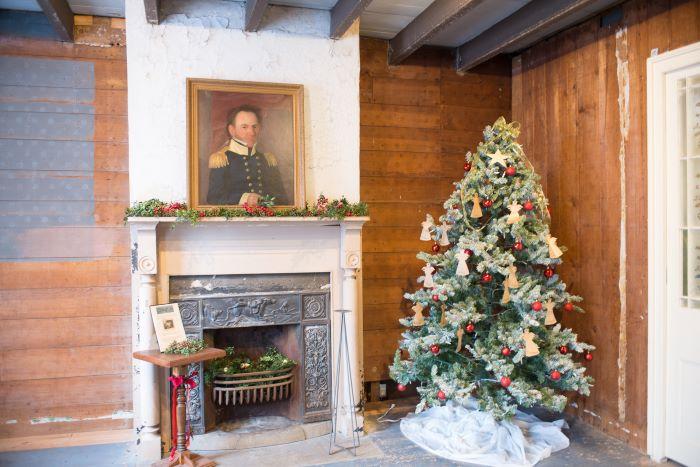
484, 323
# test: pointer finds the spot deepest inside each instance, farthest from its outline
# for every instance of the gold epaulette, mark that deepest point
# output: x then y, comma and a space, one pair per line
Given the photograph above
271, 160
219, 158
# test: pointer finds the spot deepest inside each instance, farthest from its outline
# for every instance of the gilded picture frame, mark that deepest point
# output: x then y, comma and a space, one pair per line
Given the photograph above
245, 143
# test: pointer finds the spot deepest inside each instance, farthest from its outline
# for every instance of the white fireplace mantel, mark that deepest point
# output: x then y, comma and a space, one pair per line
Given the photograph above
163, 247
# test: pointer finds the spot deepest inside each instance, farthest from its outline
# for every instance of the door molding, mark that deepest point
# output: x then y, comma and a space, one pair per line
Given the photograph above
657, 69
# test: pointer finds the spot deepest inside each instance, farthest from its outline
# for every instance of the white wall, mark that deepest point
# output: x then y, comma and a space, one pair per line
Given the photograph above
204, 39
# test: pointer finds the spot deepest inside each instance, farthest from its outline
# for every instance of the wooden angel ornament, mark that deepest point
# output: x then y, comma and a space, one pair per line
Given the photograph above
418, 319
554, 251
428, 269
510, 282
531, 348
550, 318
514, 215
427, 224
444, 228
462, 268
476, 210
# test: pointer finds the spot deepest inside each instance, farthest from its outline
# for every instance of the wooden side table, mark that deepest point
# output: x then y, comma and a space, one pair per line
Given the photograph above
179, 364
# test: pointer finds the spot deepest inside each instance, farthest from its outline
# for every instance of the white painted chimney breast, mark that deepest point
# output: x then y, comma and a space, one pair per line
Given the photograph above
205, 40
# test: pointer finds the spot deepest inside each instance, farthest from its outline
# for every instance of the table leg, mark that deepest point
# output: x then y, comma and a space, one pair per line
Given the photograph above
182, 455
181, 411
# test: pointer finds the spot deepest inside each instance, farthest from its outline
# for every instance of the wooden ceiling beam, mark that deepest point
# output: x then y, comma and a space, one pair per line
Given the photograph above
426, 25
60, 16
344, 13
254, 10
534, 21
152, 8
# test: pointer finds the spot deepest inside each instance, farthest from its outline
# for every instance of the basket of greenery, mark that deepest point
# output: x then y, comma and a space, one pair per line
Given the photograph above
239, 379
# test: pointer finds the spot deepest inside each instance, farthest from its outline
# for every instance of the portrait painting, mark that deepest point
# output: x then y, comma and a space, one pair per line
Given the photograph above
245, 143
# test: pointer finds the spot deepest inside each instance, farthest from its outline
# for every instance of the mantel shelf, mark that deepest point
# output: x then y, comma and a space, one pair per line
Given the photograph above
358, 220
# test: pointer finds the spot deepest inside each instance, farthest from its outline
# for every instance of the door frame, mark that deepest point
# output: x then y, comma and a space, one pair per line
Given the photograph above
657, 68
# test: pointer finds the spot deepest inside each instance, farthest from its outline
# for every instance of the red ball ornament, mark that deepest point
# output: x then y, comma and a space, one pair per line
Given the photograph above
568, 306
555, 375
469, 328
486, 278
548, 273
563, 350
518, 246
435, 248
435, 349
401, 387
436, 297
528, 206
510, 170
469, 252
455, 206
537, 306
505, 381
589, 356
467, 166
487, 203
441, 395
505, 351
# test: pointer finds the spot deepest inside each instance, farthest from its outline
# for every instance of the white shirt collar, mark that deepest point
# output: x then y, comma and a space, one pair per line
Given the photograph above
241, 148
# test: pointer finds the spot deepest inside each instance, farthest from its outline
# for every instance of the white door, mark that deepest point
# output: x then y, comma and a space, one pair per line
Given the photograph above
683, 293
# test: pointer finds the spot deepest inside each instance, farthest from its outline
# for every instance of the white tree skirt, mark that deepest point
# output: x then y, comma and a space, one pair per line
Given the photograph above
465, 434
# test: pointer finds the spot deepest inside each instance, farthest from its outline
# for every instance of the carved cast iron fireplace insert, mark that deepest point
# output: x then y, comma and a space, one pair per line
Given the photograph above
290, 311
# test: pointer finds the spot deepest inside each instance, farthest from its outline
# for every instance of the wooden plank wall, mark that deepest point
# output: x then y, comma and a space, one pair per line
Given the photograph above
565, 94
417, 121
65, 295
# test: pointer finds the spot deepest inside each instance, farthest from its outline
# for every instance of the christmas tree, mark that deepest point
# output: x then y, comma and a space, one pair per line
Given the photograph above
484, 322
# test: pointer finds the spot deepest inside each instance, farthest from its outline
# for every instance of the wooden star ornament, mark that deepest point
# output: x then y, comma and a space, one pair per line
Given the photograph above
498, 158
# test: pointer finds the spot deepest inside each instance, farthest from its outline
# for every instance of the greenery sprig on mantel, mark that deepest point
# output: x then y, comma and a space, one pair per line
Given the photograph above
324, 208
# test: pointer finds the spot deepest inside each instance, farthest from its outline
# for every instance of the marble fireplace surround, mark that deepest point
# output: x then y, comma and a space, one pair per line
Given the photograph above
162, 248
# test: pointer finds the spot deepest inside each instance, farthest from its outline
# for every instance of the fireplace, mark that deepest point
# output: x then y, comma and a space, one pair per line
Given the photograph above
251, 313
249, 282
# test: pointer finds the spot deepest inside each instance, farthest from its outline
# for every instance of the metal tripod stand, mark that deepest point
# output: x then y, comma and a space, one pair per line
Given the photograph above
343, 354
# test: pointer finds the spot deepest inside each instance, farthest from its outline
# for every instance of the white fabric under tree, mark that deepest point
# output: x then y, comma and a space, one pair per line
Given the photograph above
465, 434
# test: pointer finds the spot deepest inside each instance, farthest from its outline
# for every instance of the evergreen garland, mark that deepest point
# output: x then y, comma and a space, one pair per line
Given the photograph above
323, 208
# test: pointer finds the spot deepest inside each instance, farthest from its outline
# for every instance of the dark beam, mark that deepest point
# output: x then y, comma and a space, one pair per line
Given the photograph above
152, 8
254, 10
431, 21
60, 16
344, 13
536, 20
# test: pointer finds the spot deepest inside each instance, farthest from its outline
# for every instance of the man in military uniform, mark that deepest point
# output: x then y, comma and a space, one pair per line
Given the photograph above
238, 171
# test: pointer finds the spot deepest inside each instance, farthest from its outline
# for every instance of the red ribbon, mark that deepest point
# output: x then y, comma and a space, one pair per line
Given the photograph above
190, 383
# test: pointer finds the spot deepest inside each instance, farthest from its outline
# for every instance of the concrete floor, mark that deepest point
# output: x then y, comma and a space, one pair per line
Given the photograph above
383, 446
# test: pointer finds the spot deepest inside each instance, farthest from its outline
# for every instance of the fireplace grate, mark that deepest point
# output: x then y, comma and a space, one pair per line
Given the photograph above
253, 388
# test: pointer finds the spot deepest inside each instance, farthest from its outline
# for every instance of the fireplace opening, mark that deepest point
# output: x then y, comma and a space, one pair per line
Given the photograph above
270, 397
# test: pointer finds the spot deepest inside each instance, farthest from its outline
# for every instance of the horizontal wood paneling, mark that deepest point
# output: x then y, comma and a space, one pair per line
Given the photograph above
22, 365
65, 289
566, 96
417, 121
65, 302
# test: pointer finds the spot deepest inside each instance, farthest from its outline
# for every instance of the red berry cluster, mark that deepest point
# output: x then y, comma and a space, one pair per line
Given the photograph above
258, 210
169, 209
